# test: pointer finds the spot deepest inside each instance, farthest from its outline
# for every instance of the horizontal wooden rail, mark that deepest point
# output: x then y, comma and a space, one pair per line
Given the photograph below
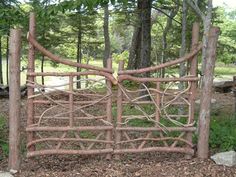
69, 152
67, 139
168, 129
153, 149
63, 61
84, 73
156, 139
149, 79
88, 128
150, 102
67, 102
167, 64
76, 118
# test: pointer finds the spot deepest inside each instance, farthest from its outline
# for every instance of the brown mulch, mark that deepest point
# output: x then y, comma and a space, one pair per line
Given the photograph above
145, 165
135, 165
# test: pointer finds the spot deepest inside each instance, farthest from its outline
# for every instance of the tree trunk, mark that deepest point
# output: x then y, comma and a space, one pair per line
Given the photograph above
107, 50
146, 34
206, 93
207, 26
134, 51
182, 69
173, 13
133, 57
1, 76
7, 59
163, 52
145, 49
79, 51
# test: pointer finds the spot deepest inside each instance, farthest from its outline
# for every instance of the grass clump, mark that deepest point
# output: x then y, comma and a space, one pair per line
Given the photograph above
223, 133
4, 148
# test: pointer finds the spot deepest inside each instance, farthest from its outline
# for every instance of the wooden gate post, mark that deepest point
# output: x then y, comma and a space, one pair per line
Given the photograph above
193, 72
206, 92
30, 90
109, 109
14, 99
119, 110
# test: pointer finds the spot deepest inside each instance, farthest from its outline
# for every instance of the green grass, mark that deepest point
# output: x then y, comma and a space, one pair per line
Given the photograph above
220, 70
52, 67
225, 70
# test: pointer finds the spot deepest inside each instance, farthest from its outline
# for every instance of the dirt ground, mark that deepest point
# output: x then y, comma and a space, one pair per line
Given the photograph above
135, 165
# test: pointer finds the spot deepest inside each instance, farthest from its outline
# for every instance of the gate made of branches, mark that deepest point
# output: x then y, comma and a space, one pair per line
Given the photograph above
154, 115
141, 113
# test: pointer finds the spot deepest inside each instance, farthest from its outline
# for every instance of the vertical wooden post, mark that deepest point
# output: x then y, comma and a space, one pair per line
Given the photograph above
206, 92
119, 109
193, 71
14, 100
158, 114
158, 102
30, 90
109, 108
71, 101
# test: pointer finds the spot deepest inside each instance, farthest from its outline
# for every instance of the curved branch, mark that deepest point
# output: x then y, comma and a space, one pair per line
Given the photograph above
158, 9
196, 9
167, 64
63, 61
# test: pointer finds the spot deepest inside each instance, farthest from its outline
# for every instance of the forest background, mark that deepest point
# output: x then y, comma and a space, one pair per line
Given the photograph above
141, 32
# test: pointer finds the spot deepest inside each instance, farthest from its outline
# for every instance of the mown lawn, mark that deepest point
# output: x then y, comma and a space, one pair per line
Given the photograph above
223, 72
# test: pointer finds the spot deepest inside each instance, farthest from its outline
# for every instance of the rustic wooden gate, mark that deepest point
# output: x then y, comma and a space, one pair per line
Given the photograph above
63, 119
155, 115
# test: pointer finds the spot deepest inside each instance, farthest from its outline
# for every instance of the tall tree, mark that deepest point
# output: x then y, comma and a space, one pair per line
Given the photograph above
140, 50
79, 45
206, 19
1, 74
146, 33
107, 49
134, 51
182, 69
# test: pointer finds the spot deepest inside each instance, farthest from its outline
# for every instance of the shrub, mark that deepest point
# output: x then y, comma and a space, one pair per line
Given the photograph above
223, 133
3, 137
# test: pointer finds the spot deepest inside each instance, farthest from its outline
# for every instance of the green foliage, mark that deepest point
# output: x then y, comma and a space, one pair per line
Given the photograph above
87, 134
227, 39
86, 58
3, 137
223, 133
123, 56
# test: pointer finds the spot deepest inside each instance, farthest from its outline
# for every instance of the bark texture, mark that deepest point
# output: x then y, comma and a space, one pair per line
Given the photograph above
79, 47
206, 24
7, 60
1, 75
14, 100
205, 103
107, 50
140, 50
182, 69
146, 34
